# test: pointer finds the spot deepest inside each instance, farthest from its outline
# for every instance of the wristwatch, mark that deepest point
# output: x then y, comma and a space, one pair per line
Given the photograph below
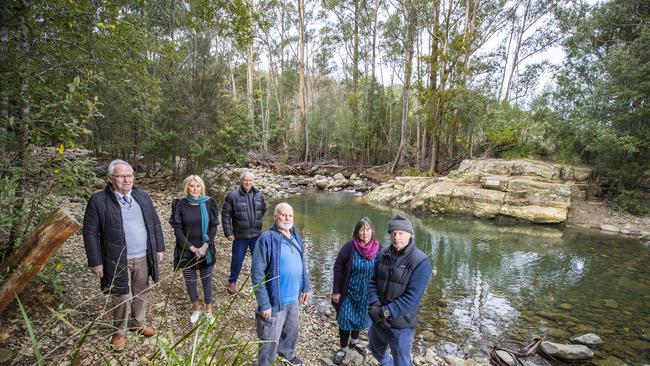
385, 312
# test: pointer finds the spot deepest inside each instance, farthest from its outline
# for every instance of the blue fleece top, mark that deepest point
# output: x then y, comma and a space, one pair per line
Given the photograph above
410, 299
265, 269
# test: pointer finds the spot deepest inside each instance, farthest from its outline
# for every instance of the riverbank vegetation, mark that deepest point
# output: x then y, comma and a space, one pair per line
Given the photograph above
182, 85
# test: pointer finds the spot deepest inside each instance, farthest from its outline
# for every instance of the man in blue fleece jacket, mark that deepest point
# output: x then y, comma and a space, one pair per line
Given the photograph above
279, 272
402, 273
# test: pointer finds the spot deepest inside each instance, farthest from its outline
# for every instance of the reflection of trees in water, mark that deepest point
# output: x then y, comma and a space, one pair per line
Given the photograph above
496, 281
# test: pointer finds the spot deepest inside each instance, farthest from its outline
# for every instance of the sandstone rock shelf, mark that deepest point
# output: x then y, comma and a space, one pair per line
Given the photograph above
529, 190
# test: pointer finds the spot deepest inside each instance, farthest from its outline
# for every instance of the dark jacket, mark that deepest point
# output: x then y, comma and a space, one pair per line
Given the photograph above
241, 219
105, 242
399, 282
265, 269
183, 257
343, 270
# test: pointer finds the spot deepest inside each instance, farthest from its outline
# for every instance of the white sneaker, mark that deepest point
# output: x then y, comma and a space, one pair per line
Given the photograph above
209, 317
196, 314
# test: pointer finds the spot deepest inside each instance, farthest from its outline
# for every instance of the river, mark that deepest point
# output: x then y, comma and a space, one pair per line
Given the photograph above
498, 283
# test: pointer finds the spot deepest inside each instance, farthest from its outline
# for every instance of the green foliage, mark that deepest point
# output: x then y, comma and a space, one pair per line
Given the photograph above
50, 276
631, 201
603, 88
418, 172
511, 133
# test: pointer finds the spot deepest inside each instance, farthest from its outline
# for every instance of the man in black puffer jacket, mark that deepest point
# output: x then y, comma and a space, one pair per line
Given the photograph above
402, 273
124, 243
241, 218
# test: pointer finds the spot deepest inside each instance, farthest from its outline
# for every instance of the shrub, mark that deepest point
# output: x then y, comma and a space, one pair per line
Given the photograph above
632, 202
418, 172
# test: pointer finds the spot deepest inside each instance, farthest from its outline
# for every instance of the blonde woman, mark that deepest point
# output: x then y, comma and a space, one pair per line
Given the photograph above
195, 219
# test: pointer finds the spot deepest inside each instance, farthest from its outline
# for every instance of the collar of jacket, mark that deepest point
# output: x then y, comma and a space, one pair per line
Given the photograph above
253, 189
110, 191
275, 228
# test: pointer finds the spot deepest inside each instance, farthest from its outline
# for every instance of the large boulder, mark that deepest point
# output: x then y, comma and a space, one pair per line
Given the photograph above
567, 352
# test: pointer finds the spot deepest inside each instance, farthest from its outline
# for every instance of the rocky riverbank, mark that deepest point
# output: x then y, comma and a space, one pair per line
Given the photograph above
58, 322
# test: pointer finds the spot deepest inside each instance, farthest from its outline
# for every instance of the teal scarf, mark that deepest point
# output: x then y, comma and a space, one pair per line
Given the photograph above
204, 215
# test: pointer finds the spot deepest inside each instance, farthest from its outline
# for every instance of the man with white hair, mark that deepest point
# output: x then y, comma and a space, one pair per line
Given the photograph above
124, 244
241, 218
279, 274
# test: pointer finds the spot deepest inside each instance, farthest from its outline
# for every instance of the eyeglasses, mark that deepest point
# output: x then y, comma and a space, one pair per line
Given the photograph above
123, 176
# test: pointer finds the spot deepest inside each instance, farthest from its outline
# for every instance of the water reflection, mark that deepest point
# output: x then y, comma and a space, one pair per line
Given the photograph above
498, 281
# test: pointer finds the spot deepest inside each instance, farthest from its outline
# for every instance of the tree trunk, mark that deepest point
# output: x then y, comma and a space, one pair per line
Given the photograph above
266, 116
515, 60
273, 76
249, 83
4, 94
35, 251
303, 112
355, 68
23, 140
411, 21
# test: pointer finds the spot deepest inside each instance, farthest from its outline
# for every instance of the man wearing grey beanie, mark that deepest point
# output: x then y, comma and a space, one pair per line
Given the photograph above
402, 273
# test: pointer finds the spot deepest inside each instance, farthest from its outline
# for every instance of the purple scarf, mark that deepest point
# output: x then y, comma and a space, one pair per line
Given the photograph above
369, 250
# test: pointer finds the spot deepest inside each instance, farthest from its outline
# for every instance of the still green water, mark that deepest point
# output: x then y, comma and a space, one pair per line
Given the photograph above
496, 283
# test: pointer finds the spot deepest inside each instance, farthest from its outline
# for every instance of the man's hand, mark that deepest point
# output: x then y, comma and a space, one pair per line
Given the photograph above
336, 298
230, 237
266, 314
376, 314
160, 256
98, 270
303, 297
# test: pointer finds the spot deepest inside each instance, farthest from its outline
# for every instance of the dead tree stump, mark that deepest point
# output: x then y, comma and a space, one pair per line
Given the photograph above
22, 266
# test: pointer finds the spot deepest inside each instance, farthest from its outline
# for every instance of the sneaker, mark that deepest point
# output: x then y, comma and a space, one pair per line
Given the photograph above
294, 361
339, 356
196, 314
358, 346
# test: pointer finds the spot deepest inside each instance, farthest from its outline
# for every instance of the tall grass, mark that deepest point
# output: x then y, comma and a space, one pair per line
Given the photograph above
211, 341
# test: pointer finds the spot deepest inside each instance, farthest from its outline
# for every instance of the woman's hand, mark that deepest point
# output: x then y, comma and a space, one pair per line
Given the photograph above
336, 298
201, 251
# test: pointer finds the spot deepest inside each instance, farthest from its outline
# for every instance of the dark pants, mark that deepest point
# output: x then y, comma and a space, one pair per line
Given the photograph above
239, 247
400, 341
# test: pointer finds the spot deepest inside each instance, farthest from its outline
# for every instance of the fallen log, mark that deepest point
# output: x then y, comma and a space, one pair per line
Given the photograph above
22, 266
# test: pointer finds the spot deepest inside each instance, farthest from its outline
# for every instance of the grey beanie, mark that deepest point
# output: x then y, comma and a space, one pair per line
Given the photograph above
400, 222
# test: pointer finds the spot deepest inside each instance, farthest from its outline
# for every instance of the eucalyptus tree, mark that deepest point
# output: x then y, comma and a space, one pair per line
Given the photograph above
534, 29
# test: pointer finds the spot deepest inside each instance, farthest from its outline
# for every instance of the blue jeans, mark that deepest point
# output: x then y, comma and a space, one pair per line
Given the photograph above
281, 334
400, 341
239, 247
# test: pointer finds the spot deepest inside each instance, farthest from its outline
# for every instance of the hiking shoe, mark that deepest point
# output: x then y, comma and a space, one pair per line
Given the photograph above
194, 317
118, 342
294, 361
358, 346
232, 288
145, 331
339, 356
